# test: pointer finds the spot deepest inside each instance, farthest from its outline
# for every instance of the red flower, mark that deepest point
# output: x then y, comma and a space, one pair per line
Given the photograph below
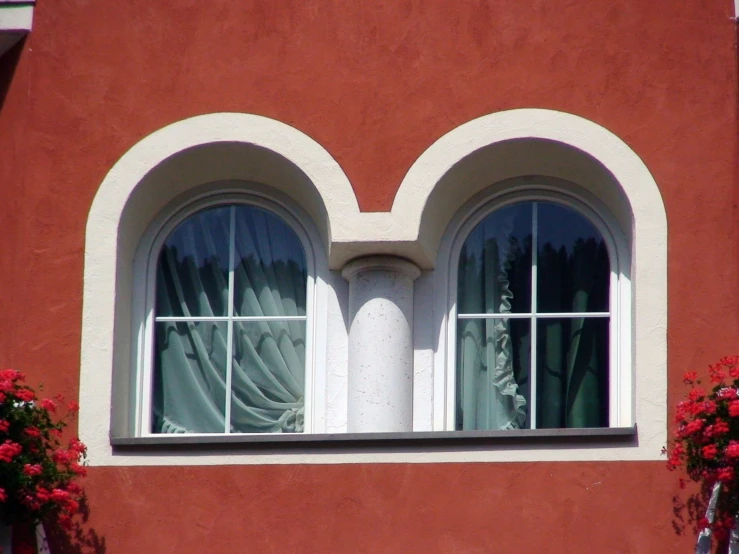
694, 426
734, 408
9, 450
718, 377
717, 429
74, 488
77, 469
32, 469
32, 432
696, 394
709, 452
732, 450
11, 375
43, 494
709, 407
48, 405
72, 506
38, 473
26, 395
720, 428
673, 462
73, 407
726, 474
75, 445
31, 502
690, 377
59, 495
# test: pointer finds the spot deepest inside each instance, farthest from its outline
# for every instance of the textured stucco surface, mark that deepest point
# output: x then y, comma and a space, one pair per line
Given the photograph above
477, 508
375, 83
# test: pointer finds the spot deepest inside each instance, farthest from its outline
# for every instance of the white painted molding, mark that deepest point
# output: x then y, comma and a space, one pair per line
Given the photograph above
381, 263
414, 199
16, 20
225, 129
429, 195
181, 157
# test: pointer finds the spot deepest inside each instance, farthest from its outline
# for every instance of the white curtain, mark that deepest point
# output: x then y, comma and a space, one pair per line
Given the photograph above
268, 357
488, 395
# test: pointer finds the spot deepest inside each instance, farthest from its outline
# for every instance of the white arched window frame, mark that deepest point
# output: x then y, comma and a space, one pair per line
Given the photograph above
145, 268
183, 156
541, 189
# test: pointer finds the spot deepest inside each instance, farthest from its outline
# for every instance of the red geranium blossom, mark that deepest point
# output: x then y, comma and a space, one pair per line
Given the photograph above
706, 439
37, 473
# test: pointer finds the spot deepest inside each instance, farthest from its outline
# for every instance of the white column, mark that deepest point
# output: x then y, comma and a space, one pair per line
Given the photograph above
380, 376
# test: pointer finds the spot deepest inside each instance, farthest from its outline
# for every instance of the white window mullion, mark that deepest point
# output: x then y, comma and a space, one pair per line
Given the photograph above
235, 318
615, 385
229, 340
527, 315
534, 308
145, 382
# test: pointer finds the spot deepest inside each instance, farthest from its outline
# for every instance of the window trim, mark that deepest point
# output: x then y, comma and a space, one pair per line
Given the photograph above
144, 293
529, 189
186, 155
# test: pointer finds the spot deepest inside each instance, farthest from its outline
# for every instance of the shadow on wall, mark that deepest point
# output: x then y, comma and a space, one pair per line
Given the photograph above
80, 539
8, 63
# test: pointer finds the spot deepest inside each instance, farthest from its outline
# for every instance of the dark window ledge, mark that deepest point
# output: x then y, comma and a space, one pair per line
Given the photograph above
439, 439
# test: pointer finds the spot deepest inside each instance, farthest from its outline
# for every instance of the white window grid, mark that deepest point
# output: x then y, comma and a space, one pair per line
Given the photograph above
145, 329
620, 395
534, 314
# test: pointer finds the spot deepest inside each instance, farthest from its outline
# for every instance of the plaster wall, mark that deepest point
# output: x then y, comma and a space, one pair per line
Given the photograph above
375, 84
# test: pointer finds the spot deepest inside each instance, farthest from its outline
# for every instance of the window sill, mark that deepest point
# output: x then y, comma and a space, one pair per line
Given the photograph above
539, 437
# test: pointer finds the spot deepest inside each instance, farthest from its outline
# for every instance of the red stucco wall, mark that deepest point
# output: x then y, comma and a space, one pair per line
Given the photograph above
375, 82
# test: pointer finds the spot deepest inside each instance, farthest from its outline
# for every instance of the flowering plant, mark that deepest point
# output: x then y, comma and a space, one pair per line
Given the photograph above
37, 474
706, 442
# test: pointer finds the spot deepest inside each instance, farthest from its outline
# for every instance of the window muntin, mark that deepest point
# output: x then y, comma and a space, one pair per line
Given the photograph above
511, 296
229, 332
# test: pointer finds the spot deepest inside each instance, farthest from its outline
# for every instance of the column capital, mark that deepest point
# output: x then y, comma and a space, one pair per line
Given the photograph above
381, 263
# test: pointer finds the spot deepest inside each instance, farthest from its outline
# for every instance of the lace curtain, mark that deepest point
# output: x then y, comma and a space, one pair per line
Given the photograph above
495, 317
230, 276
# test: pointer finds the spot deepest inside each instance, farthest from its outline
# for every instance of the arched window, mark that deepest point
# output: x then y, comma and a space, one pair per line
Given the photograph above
225, 341
537, 317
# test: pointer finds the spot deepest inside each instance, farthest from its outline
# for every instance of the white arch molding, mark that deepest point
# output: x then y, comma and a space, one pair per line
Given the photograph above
183, 156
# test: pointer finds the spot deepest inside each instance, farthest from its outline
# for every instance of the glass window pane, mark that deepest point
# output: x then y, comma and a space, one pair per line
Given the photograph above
268, 377
269, 269
495, 264
572, 262
189, 384
192, 273
493, 386
572, 372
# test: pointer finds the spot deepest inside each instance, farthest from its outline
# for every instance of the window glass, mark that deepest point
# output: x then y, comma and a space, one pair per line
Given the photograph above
573, 273
533, 324
495, 264
229, 343
192, 276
